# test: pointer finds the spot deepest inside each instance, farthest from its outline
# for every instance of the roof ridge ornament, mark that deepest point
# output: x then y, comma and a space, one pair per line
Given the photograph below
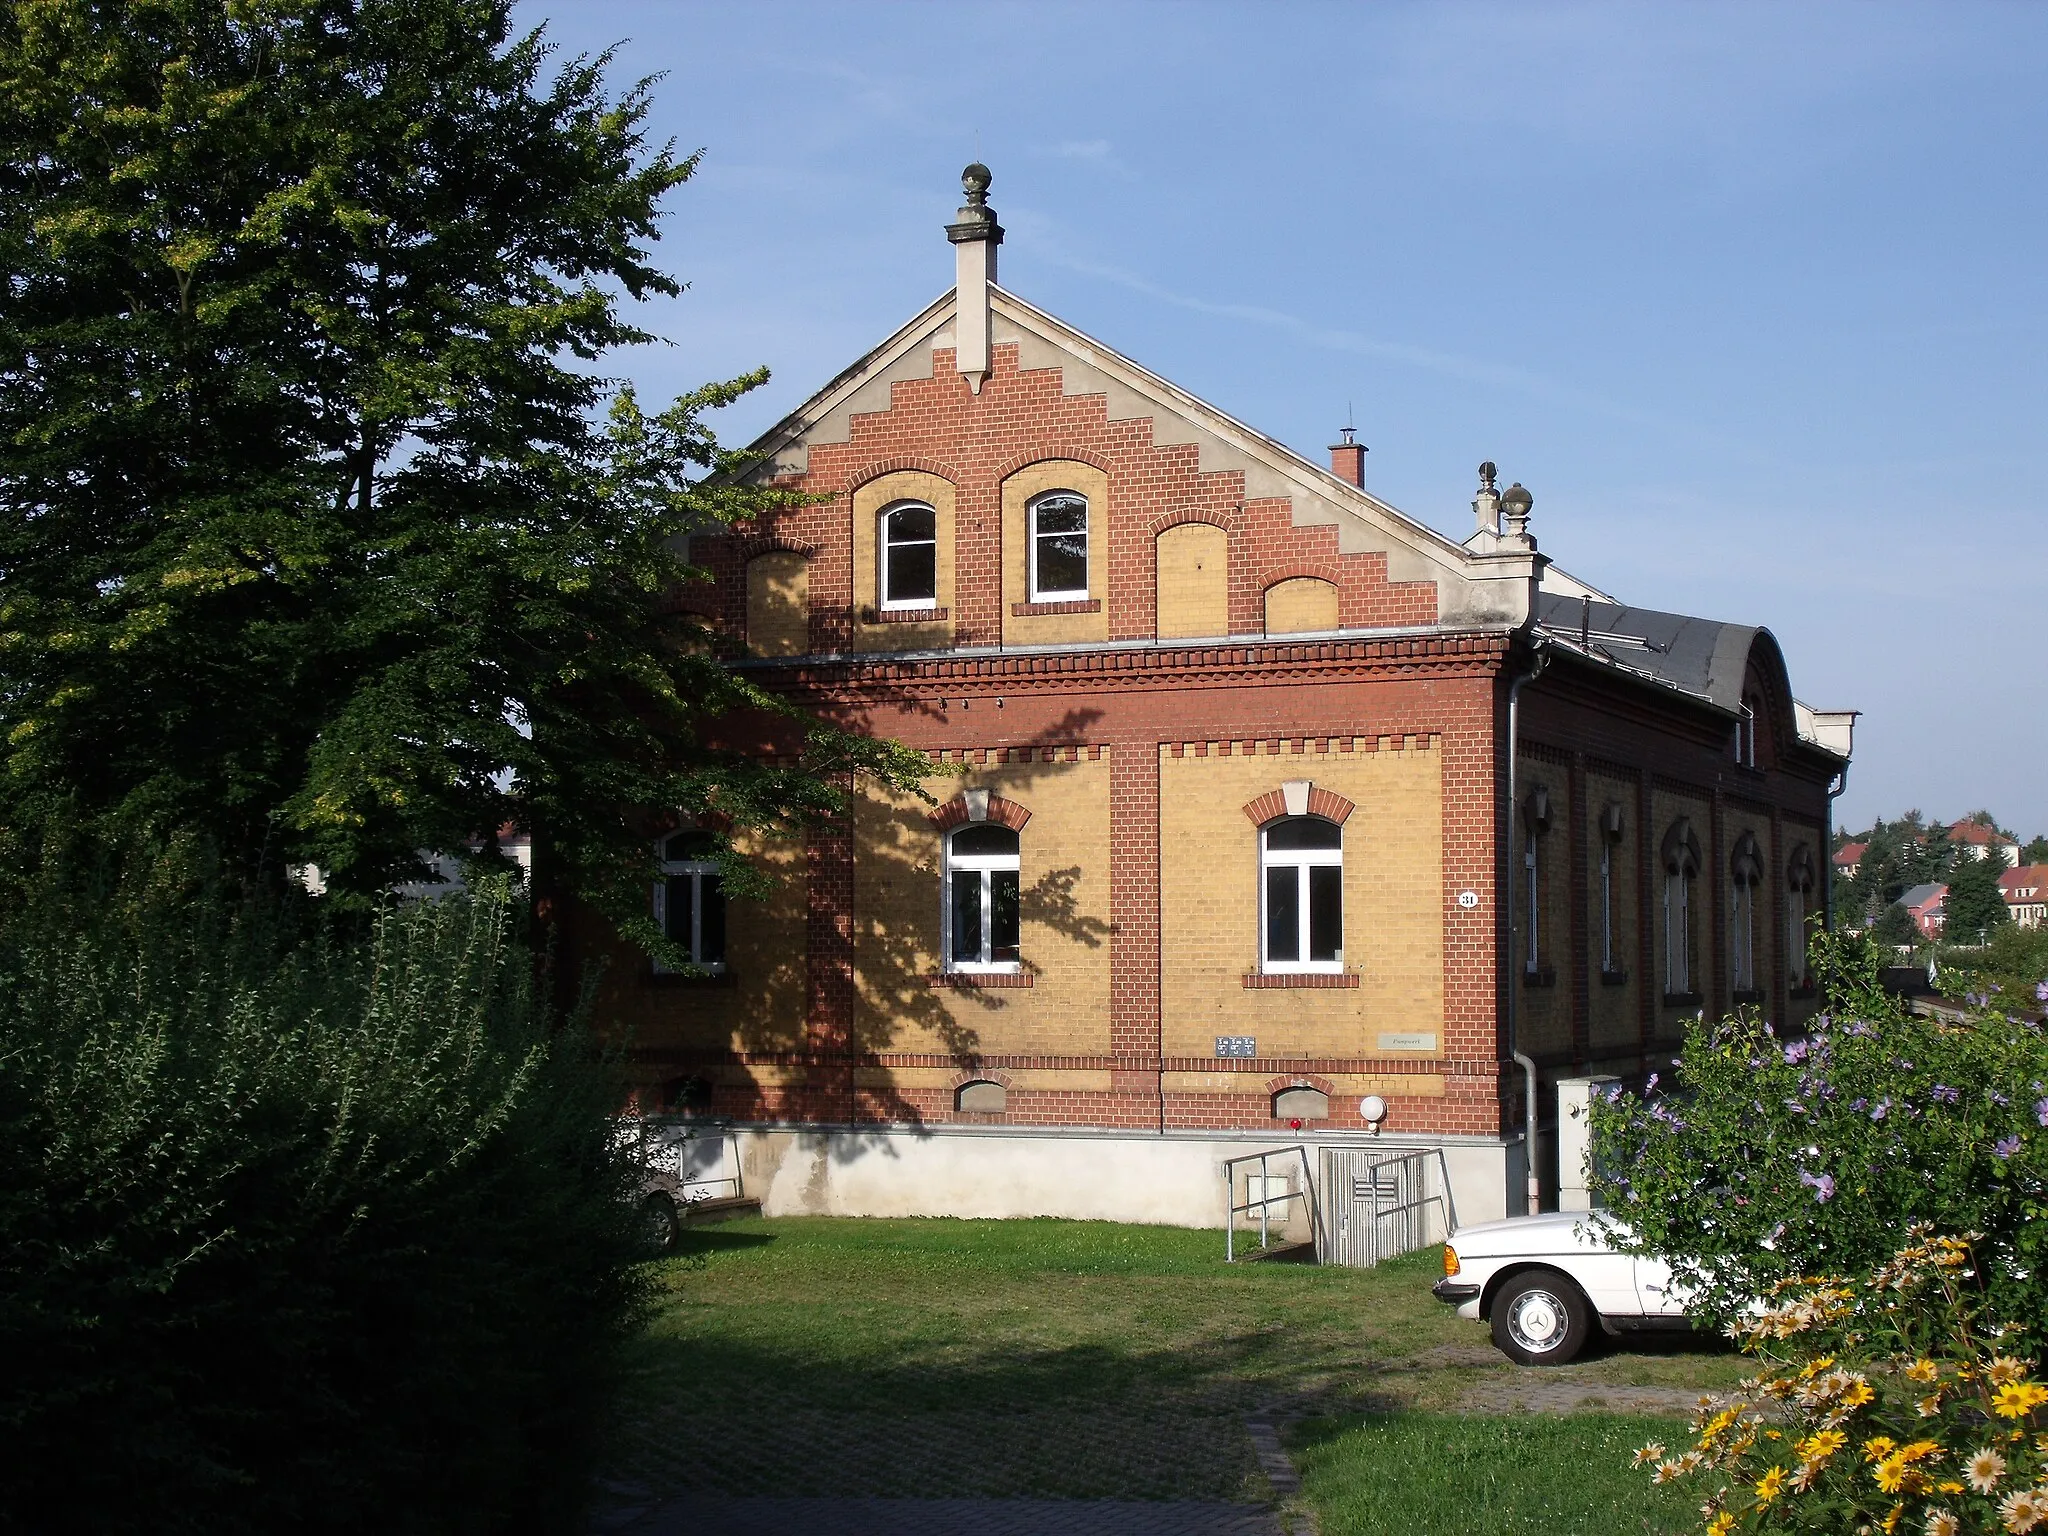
975, 234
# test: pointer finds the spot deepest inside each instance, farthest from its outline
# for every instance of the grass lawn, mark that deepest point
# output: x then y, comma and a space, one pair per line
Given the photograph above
1089, 1360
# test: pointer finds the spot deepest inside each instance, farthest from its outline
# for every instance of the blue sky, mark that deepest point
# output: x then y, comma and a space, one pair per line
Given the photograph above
1751, 298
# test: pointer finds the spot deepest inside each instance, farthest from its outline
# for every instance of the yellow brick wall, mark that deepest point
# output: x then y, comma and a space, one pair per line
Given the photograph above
1616, 1017
868, 501
759, 1006
1018, 491
1302, 603
779, 604
1393, 903
1544, 1013
1064, 852
1193, 572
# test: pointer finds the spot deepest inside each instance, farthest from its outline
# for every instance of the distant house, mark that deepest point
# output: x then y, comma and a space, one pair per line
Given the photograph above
1849, 859
2025, 889
1927, 904
1980, 841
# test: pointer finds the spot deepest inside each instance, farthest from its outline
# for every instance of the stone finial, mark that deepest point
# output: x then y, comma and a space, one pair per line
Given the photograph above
1515, 503
975, 220
1486, 505
974, 181
1486, 474
975, 235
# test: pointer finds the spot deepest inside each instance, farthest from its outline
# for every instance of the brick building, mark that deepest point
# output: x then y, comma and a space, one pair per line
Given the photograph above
1254, 800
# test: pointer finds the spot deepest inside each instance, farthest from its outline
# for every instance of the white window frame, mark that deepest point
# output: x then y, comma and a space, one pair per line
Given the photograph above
882, 551
696, 870
1039, 592
1741, 934
1301, 860
986, 865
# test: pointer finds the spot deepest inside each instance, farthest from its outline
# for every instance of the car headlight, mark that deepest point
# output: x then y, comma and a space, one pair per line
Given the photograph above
1451, 1265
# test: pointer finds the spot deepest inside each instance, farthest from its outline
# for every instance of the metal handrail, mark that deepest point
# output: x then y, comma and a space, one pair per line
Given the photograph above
1266, 1201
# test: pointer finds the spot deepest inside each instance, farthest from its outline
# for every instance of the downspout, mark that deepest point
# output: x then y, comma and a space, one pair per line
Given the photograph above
1538, 660
1827, 837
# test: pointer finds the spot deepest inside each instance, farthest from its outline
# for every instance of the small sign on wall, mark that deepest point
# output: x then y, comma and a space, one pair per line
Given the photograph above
1237, 1045
1421, 1040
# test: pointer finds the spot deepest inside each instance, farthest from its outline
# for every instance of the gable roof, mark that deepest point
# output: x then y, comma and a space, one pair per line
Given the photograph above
2028, 882
1851, 853
1976, 834
1923, 895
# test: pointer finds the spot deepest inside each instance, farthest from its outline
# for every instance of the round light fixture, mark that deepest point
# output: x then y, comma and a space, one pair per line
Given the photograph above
1372, 1109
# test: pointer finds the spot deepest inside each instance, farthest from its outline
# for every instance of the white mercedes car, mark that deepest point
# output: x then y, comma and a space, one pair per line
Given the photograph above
1545, 1282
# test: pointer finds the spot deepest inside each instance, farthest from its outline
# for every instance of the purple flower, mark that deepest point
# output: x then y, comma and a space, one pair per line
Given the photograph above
2041, 991
1998, 1098
2041, 1111
1944, 1094
1884, 1107
1795, 1053
1822, 1185
1651, 1085
2009, 1147
1859, 1105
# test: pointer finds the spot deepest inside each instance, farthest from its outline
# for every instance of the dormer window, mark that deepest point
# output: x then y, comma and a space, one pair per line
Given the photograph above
909, 548
1059, 547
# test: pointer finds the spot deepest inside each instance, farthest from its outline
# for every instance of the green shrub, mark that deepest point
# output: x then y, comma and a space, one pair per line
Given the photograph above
1771, 1158
298, 1231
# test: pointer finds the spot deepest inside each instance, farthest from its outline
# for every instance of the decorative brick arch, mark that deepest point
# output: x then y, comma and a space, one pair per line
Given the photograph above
1053, 454
1289, 1080
953, 813
1301, 572
1272, 805
1230, 520
747, 549
855, 479
968, 1075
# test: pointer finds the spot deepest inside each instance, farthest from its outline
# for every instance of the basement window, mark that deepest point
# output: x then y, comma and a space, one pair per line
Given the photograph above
1301, 1104
982, 1098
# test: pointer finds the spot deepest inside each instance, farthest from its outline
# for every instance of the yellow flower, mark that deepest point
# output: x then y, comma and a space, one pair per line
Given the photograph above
2017, 1399
1770, 1485
1891, 1521
1721, 1524
1858, 1395
1807, 1475
1877, 1447
1984, 1469
1923, 1371
1919, 1450
1930, 1405
1821, 1444
1950, 1487
1667, 1471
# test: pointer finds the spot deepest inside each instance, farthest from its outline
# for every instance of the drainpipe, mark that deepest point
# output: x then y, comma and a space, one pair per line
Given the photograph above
1538, 660
1827, 878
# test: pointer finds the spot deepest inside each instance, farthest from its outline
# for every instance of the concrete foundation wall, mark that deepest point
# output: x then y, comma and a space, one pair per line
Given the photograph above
967, 1171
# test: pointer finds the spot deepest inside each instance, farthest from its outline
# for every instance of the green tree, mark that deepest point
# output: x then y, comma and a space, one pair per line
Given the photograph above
2035, 851
321, 532
1975, 907
1894, 925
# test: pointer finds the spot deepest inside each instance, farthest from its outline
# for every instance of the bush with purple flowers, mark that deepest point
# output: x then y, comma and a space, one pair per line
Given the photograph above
1764, 1157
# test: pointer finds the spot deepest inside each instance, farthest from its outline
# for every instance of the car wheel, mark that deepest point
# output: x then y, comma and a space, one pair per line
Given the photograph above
1541, 1318
658, 1222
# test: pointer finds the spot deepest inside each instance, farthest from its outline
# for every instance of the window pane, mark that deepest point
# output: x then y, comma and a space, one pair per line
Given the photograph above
1283, 913
1003, 923
1325, 911
711, 930
911, 525
986, 837
677, 892
1062, 514
685, 845
1305, 832
913, 574
967, 916
1063, 562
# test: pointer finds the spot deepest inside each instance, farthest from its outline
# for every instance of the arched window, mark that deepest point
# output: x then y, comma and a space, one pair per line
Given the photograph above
1301, 895
982, 918
689, 900
909, 552
1799, 881
1535, 822
1059, 547
981, 1098
1681, 852
1745, 873
1612, 825
1301, 1104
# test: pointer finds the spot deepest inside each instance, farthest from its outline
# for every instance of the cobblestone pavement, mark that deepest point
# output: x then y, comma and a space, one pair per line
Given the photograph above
722, 1515
1577, 1397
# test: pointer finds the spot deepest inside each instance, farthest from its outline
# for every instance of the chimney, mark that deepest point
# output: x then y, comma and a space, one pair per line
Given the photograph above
1347, 459
975, 235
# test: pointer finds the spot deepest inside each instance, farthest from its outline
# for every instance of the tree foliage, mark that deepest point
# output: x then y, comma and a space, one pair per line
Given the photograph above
299, 1229
1975, 906
323, 535
1768, 1158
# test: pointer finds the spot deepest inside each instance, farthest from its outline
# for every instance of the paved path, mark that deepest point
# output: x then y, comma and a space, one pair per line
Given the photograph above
719, 1515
